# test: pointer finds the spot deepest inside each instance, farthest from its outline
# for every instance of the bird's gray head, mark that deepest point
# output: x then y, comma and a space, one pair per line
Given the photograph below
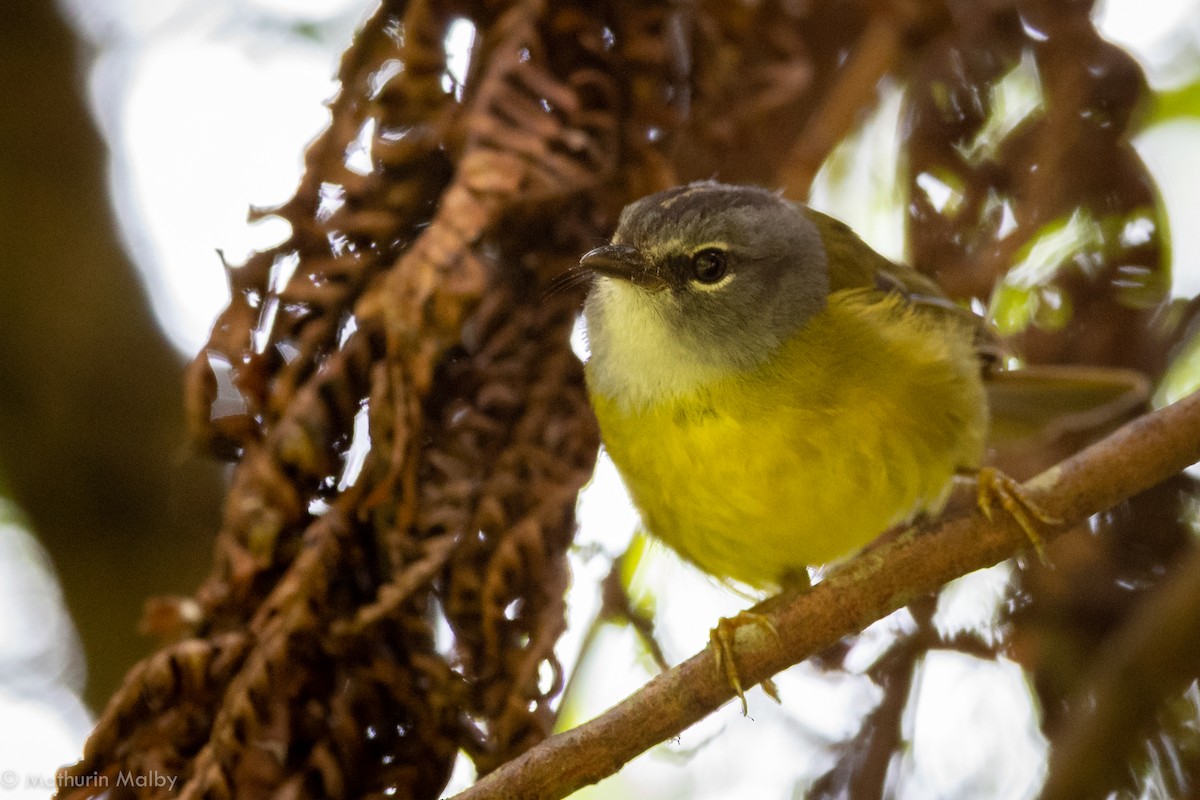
700, 280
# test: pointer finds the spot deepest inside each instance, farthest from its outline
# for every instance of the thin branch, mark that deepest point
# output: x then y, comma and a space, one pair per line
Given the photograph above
1134, 458
855, 92
1152, 656
862, 763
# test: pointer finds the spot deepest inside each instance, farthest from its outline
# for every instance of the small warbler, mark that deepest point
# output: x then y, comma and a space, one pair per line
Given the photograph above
774, 393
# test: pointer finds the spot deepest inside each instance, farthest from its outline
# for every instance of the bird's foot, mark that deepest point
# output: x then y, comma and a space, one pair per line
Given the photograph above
993, 488
721, 639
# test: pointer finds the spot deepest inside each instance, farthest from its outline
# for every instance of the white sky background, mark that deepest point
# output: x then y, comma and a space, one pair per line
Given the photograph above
208, 105
41, 668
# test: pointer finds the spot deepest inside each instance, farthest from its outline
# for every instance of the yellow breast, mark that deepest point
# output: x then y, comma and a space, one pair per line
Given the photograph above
855, 424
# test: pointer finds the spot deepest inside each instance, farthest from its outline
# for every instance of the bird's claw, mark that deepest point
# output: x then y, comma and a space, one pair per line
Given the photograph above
994, 488
721, 639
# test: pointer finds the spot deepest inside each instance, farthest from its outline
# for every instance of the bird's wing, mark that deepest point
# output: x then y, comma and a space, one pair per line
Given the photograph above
1049, 400
853, 264
1044, 400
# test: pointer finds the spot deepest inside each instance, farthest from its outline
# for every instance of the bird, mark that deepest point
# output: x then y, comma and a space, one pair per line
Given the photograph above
775, 394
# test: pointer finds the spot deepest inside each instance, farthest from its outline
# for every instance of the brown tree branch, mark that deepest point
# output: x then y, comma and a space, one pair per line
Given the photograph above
855, 92
861, 769
1152, 656
1134, 458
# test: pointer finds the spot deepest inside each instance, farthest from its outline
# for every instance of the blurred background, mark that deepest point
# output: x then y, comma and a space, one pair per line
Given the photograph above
137, 136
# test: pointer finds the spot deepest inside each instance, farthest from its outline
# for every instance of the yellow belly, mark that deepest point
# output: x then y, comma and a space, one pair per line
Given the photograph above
855, 425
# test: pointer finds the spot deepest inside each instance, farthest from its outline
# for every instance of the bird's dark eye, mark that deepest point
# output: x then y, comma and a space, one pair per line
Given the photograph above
709, 265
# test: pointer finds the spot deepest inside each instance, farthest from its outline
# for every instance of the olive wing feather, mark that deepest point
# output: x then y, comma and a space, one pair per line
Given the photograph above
1040, 400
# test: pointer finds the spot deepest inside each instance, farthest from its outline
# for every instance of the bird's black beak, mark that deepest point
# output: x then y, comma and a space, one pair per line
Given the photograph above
622, 261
